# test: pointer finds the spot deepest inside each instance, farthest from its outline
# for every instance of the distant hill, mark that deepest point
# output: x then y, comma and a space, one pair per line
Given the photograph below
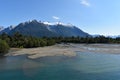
44, 29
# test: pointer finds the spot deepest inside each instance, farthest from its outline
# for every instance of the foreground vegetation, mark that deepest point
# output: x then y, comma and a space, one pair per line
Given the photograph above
4, 47
19, 41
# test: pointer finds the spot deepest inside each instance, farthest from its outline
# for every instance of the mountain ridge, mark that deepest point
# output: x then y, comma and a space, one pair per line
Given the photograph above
45, 29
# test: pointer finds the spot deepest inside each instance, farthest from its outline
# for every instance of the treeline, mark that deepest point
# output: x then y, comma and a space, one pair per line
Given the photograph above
19, 41
90, 40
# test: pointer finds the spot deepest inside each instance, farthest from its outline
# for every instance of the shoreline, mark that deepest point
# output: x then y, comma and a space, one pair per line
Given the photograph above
65, 50
34, 53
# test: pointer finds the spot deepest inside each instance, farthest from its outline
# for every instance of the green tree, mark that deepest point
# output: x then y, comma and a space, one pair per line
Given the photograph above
4, 47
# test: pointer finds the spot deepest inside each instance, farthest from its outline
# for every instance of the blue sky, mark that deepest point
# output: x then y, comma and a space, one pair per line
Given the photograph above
92, 16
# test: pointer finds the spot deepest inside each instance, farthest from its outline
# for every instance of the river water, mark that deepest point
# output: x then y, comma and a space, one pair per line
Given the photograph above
85, 66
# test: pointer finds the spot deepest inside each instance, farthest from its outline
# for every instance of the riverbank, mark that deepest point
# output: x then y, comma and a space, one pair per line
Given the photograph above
101, 48
33, 53
65, 50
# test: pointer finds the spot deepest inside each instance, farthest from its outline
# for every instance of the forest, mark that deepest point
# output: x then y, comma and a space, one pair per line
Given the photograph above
20, 41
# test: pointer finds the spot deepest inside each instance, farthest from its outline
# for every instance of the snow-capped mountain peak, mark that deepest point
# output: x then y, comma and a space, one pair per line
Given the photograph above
45, 29
58, 23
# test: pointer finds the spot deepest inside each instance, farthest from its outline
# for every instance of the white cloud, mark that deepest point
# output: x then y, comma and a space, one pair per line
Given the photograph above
85, 3
55, 17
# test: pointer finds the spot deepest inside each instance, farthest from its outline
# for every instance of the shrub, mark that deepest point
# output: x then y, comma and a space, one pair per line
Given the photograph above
4, 47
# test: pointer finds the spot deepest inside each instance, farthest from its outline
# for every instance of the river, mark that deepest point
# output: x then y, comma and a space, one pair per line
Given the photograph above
84, 66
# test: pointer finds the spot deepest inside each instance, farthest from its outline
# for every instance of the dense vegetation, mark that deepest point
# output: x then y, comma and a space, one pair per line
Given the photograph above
4, 47
90, 40
19, 41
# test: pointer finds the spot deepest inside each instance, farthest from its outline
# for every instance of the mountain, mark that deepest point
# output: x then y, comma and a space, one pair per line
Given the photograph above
7, 30
45, 29
1, 28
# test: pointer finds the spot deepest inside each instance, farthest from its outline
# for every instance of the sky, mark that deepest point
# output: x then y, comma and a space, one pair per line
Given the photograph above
92, 16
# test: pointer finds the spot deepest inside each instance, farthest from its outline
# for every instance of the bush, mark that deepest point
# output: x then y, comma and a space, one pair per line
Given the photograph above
4, 47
